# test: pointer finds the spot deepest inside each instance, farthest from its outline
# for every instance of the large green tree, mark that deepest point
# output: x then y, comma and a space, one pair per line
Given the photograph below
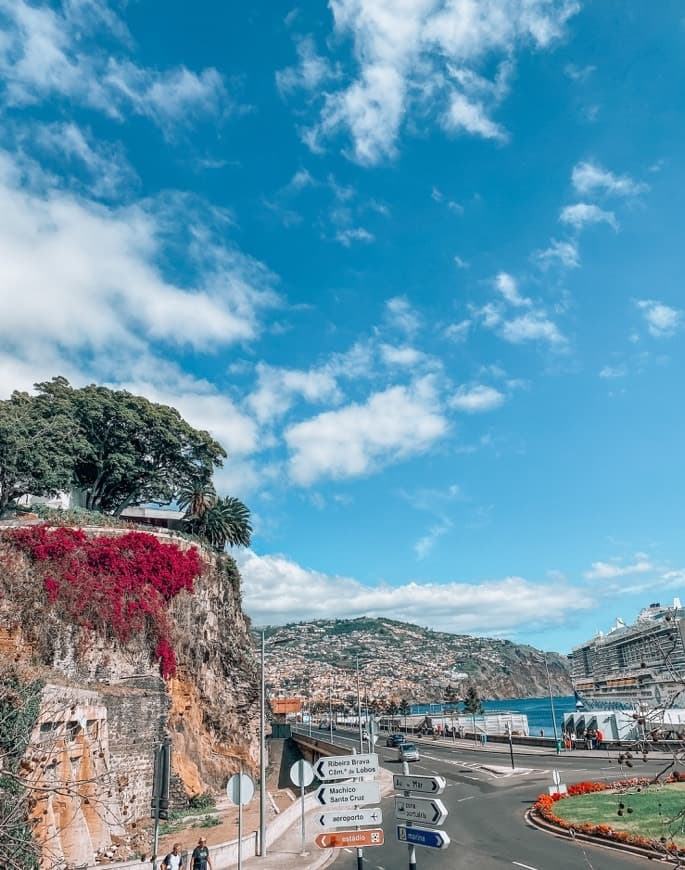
37, 446
472, 701
130, 450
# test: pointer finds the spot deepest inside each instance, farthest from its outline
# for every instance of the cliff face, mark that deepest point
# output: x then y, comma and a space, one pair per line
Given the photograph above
106, 707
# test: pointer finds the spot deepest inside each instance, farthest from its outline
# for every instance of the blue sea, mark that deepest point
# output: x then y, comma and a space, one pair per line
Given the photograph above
538, 710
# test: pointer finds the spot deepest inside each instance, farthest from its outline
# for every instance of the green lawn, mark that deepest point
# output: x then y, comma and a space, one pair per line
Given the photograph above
657, 811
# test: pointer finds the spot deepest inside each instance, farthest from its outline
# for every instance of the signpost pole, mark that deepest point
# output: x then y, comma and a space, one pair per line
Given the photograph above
411, 848
511, 745
302, 850
330, 710
360, 852
240, 816
262, 760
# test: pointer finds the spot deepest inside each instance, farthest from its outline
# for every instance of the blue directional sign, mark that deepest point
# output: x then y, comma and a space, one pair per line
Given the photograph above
423, 837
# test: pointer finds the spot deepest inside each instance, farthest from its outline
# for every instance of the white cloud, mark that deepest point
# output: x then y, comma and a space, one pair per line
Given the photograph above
535, 326
562, 253
460, 263
579, 73
400, 356
463, 114
109, 173
79, 278
278, 388
47, 53
508, 287
590, 178
610, 570
424, 55
353, 234
476, 399
401, 315
613, 372
427, 542
355, 440
662, 320
309, 74
277, 590
583, 213
458, 331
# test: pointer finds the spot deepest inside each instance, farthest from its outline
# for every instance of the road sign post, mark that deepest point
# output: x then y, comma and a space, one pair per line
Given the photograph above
302, 774
359, 794
411, 851
424, 811
425, 785
346, 766
240, 789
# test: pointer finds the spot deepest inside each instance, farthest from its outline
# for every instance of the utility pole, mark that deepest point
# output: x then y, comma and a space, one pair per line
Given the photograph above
360, 852
511, 745
262, 761
551, 703
330, 709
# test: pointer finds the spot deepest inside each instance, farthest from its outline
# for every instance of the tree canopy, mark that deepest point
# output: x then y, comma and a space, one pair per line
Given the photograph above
37, 440
472, 701
115, 448
130, 450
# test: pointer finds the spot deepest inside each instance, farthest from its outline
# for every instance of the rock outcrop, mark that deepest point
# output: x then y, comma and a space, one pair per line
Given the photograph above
105, 706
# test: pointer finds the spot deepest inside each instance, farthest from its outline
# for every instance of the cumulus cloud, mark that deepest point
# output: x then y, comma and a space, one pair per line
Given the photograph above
278, 388
506, 285
400, 314
559, 253
358, 438
424, 57
584, 214
535, 326
79, 279
311, 71
611, 570
589, 178
50, 53
662, 320
353, 234
476, 399
400, 356
277, 590
427, 542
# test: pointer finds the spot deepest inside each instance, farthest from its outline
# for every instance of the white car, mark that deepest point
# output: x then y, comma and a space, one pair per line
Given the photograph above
408, 752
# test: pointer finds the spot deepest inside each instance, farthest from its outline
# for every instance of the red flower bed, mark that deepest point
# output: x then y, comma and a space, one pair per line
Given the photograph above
119, 585
544, 807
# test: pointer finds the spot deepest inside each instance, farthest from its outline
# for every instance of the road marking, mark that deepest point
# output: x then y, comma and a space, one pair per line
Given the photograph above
469, 798
527, 866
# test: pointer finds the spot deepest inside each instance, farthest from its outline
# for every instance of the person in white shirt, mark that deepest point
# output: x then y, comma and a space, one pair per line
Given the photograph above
174, 860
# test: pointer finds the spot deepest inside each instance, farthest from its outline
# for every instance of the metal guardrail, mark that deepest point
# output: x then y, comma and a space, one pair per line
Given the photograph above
324, 736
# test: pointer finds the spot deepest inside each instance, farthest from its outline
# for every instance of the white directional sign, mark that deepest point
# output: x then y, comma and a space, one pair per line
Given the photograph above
358, 793
428, 811
432, 785
345, 766
556, 777
343, 818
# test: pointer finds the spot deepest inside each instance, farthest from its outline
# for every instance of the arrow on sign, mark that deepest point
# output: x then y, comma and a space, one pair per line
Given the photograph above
345, 766
341, 839
431, 811
344, 818
423, 837
359, 793
433, 785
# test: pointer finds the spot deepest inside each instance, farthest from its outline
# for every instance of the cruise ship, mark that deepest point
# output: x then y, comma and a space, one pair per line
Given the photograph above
639, 666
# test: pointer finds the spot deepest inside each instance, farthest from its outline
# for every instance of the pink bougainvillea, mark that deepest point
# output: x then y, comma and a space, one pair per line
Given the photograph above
119, 585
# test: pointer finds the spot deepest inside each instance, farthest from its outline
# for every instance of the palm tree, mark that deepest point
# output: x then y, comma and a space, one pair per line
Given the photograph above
219, 521
196, 497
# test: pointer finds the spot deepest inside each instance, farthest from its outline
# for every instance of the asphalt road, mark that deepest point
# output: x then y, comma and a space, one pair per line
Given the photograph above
486, 822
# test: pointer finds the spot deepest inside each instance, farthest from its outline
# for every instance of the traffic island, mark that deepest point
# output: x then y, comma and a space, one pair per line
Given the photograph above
638, 815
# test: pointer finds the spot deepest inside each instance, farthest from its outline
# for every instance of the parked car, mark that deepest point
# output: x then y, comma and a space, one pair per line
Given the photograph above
394, 739
407, 752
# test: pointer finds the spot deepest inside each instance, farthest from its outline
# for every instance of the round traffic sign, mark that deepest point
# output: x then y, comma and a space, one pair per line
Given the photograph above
301, 773
240, 789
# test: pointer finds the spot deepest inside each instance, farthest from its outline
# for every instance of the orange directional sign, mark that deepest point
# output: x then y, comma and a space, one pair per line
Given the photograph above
341, 839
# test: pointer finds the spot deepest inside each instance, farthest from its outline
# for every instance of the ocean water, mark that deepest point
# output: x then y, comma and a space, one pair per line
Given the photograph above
538, 710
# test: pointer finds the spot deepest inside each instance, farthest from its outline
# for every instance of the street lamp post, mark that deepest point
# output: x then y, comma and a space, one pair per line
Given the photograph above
551, 703
262, 750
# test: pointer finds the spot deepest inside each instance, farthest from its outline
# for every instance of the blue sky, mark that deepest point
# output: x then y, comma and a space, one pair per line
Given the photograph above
418, 265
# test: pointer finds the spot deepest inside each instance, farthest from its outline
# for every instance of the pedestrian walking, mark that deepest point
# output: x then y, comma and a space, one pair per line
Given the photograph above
174, 860
200, 859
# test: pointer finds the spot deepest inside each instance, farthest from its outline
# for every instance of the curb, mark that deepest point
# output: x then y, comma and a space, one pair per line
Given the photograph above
537, 821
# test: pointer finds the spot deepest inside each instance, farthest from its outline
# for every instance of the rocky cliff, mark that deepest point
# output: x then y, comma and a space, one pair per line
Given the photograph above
104, 704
